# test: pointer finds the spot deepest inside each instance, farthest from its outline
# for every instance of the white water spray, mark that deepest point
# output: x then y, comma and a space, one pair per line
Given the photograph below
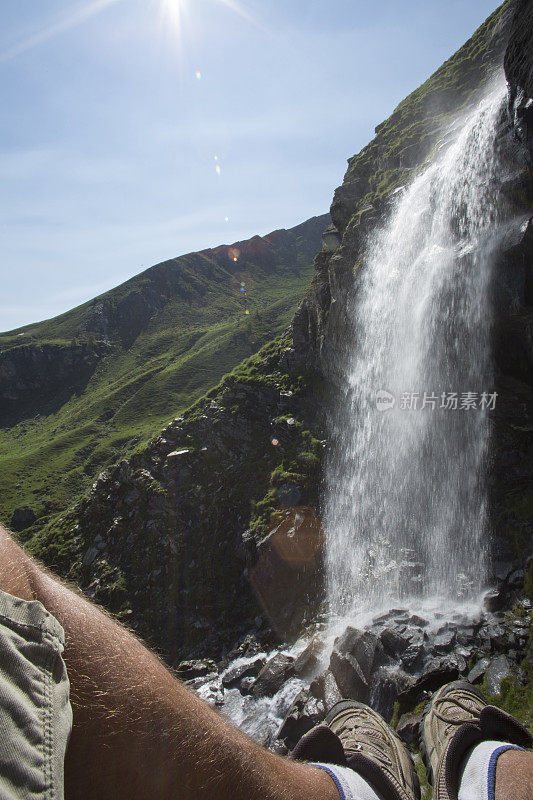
406, 499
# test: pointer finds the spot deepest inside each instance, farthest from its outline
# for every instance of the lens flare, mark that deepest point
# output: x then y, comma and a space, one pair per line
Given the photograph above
176, 13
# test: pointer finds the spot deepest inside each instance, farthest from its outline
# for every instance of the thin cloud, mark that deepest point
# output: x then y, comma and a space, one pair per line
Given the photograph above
78, 17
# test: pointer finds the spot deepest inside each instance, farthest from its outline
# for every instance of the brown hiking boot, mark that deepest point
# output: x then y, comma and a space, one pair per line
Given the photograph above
456, 719
374, 750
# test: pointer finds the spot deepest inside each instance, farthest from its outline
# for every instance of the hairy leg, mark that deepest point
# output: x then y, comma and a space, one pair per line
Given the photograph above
514, 776
138, 732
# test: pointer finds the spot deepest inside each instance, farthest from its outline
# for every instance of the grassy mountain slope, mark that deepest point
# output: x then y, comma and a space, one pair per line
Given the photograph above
92, 385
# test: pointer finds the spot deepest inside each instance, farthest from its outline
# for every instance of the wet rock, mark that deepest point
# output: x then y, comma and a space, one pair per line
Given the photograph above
324, 687
273, 675
346, 641
188, 670
369, 653
208, 686
408, 725
417, 621
434, 676
499, 669
494, 600
308, 660
233, 675
499, 637
304, 714
444, 640
349, 676
413, 657
246, 685
465, 652
384, 692
395, 613
365, 647
331, 692
466, 634
394, 642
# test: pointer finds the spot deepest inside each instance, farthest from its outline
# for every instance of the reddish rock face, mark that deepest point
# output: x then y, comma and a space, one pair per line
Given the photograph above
288, 574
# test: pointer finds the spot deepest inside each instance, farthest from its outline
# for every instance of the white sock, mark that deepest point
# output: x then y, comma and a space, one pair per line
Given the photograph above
479, 770
350, 785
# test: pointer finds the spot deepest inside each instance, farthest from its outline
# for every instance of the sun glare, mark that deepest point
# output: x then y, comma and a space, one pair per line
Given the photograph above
174, 12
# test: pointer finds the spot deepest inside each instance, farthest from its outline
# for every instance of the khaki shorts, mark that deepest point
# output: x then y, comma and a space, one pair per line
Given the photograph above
35, 712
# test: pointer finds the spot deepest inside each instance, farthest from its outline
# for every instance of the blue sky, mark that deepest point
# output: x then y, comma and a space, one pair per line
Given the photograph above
110, 140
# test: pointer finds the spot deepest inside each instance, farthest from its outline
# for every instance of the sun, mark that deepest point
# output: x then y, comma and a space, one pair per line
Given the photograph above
175, 12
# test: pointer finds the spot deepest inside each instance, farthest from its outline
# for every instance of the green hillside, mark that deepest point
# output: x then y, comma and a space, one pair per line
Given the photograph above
89, 387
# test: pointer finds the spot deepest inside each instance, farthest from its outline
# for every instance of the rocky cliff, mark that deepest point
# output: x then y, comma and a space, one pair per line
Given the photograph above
211, 530
55, 370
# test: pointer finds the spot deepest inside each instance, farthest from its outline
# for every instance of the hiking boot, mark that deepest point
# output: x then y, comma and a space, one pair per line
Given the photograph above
374, 750
458, 718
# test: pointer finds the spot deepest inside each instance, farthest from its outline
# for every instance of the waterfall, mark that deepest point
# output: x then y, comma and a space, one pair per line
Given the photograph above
406, 487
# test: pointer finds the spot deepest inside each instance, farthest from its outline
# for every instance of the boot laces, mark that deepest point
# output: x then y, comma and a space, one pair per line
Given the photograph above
449, 719
373, 743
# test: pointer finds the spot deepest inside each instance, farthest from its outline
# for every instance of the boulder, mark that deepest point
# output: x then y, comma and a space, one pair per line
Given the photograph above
499, 669
384, 692
365, 647
433, 677
308, 660
273, 675
188, 670
444, 640
349, 676
394, 613
331, 692
413, 657
247, 685
233, 675
394, 643
408, 725
305, 712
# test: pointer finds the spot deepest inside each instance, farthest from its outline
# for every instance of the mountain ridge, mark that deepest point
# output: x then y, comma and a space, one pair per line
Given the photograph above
83, 389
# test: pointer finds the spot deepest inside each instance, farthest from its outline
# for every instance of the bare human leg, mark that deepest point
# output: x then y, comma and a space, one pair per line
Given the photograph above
138, 732
514, 776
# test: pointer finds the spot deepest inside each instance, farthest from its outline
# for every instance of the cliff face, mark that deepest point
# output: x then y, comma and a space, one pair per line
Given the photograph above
211, 530
56, 371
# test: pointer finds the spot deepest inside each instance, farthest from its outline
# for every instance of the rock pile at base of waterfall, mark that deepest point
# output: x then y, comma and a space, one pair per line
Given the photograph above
401, 659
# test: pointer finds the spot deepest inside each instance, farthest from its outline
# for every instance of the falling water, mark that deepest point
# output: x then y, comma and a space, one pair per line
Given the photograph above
406, 501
